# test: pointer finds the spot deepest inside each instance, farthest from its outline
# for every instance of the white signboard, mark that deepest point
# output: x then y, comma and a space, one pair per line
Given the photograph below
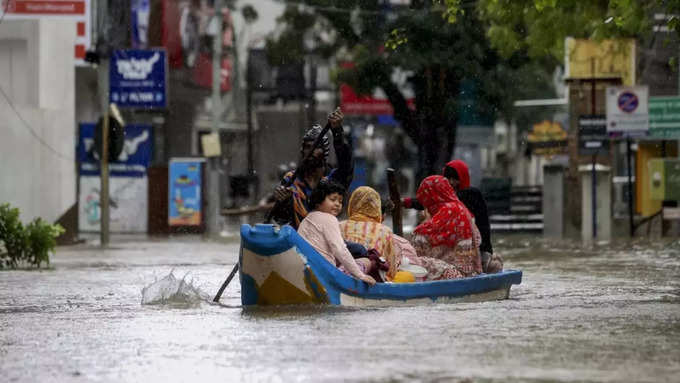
76, 10
128, 204
628, 109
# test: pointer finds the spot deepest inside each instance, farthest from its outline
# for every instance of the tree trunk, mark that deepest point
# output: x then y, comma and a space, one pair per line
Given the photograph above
430, 126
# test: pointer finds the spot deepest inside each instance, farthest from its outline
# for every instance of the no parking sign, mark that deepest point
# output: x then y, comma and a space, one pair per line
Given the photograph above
628, 110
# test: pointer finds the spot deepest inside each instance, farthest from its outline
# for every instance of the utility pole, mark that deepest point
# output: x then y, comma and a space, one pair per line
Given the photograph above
593, 172
103, 86
249, 117
212, 212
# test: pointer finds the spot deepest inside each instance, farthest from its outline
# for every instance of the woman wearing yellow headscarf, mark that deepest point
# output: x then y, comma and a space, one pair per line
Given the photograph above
365, 226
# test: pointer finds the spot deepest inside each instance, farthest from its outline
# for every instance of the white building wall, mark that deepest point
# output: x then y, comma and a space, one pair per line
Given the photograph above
37, 130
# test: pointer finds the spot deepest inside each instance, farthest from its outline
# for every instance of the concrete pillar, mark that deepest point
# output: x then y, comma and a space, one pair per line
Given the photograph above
603, 201
553, 201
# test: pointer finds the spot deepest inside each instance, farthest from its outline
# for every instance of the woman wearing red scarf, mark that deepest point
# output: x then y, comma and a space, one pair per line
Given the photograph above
450, 234
458, 175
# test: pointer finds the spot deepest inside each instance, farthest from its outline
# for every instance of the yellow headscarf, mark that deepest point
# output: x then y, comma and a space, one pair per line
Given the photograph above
364, 205
364, 226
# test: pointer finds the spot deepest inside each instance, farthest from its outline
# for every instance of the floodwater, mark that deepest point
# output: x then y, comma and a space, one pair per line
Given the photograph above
609, 313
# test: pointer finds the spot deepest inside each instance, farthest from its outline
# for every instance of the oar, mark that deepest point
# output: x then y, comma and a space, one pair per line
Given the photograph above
317, 142
396, 199
226, 283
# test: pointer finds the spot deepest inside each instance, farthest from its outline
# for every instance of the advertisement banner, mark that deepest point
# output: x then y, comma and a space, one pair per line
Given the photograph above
138, 78
133, 161
128, 200
628, 110
184, 184
186, 31
76, 10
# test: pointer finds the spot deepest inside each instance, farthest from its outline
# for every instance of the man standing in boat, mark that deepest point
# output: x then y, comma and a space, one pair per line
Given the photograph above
292, 195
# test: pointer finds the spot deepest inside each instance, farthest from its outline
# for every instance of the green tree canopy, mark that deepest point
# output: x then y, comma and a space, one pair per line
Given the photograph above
539, 27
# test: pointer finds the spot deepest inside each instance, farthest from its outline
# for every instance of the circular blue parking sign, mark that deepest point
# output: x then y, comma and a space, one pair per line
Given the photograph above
628, 101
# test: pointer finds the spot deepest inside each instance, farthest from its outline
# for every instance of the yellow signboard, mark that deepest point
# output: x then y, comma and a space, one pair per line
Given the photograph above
600, 59
547, 138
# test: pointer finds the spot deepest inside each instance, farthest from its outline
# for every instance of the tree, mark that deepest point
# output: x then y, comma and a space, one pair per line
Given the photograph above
444, 51
539, 27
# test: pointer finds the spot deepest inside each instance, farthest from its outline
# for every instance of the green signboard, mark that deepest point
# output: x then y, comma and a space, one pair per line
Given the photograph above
665, 178
664, 117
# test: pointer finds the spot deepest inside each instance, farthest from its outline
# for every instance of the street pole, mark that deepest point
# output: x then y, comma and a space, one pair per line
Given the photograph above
594, 196
630, 188
249, 117
593, 107
212, 213
103, 86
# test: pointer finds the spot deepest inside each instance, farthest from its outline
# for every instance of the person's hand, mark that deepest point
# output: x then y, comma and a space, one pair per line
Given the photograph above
335, 119
282, 193
486, 258
493, 264
368, 279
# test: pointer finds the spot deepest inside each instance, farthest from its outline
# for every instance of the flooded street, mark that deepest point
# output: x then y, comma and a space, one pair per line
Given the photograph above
603, 314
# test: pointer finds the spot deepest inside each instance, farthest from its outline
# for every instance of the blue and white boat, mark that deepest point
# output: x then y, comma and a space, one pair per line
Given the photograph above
278, 267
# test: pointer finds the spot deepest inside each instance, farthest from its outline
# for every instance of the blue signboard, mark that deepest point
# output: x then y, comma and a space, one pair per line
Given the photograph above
137, 78
184, 186
133, 161
140, 22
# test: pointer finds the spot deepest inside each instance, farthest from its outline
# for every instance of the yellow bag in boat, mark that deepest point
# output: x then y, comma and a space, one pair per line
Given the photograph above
404, 277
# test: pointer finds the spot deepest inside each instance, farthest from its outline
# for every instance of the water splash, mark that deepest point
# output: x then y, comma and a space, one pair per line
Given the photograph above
170, 290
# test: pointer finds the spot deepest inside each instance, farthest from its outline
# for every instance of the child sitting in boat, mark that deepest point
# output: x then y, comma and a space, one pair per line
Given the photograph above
450, 233
321, 229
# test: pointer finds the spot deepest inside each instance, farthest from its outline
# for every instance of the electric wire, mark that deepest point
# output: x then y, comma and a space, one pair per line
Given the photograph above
33, 133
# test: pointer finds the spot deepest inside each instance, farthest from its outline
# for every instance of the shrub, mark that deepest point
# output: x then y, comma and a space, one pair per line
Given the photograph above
25, 245
12, 236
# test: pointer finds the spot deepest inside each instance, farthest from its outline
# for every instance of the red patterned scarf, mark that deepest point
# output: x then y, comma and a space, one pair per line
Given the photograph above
451, 221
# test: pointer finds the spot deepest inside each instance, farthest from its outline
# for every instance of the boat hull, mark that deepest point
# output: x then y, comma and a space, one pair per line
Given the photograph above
279, 267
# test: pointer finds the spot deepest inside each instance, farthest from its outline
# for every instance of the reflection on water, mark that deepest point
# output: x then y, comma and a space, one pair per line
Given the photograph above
604, 312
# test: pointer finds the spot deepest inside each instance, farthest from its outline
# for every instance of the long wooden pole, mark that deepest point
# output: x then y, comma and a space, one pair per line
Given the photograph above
396, 200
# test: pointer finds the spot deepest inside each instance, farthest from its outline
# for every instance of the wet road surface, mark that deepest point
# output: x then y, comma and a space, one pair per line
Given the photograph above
607, 314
